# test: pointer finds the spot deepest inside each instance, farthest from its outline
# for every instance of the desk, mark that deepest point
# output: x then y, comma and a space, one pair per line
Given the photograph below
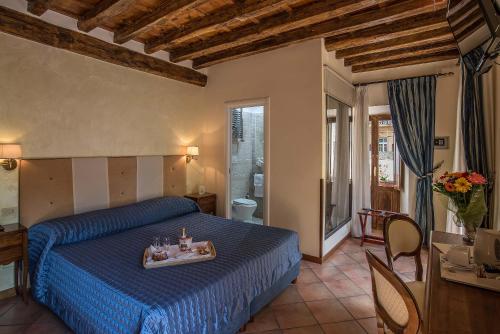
457, 308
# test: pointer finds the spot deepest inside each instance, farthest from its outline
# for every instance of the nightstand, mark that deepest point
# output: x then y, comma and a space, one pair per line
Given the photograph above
207, 202
14, 248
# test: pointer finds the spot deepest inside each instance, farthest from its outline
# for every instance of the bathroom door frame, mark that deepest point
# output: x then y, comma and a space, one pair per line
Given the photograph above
267, 156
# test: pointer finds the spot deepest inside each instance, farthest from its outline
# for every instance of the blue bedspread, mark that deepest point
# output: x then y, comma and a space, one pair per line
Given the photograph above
88, 269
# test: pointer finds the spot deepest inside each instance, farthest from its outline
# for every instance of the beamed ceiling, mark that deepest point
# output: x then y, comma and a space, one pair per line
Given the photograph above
367, 34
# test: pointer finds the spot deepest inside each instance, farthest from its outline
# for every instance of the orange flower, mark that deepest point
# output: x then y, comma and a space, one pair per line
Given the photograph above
449, 187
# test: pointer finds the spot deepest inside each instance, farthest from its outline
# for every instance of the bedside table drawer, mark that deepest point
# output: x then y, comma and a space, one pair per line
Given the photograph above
9, 255
11, 240
208, 208
206, 201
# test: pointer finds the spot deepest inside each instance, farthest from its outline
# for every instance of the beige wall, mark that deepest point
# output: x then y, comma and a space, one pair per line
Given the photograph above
291, 79
60, 104
446, 113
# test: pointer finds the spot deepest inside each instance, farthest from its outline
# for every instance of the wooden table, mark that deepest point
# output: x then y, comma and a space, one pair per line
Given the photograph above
375, 214
207, 202
14, 248
453, 307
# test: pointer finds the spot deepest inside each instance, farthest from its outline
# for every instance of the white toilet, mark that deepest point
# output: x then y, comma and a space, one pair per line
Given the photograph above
243, 209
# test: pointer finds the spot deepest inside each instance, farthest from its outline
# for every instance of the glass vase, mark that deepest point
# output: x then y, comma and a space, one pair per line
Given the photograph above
470, 233
470, 224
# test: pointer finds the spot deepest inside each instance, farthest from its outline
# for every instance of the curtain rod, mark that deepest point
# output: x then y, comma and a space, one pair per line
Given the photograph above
382, 81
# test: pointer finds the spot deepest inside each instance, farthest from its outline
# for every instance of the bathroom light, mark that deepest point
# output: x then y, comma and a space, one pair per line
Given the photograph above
10, 152
192, 152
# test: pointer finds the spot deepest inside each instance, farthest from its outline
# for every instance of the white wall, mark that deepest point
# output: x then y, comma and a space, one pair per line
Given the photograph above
291, 80
446, 113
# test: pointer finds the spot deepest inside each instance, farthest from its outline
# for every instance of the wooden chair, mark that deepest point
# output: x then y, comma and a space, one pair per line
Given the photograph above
399, 306
403, 237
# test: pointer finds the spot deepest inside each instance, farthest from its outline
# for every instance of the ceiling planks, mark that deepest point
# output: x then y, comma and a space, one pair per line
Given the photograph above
98, 14
295, 32
400, 28
405, 61
421, 50
235, 12
38, 7
165, 11
366, 33
29, 27
411, 40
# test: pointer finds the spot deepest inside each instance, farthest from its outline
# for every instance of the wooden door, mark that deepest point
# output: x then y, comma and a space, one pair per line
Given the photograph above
386, 168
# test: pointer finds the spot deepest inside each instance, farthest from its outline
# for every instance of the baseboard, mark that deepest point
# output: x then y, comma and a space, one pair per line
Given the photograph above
4, 294
311, 258
322, 259
331, 251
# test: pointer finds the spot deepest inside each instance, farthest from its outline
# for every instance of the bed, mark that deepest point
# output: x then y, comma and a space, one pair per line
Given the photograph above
87, 269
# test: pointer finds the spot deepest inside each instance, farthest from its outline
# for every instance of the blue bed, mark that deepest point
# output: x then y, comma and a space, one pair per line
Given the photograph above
88, 269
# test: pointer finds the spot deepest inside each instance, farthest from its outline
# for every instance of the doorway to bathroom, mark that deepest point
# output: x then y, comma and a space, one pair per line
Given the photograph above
246, 200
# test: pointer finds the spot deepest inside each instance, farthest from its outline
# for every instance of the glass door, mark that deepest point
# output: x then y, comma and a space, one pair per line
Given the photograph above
386, 165
246, 171
338, 186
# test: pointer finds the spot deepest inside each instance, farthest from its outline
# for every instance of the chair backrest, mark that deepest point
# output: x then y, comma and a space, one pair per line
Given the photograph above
394, 302
403, 237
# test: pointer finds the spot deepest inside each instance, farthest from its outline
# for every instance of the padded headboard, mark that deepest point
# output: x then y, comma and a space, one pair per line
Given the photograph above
51, 188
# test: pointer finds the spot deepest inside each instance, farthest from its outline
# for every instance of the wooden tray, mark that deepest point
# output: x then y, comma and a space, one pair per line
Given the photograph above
174, 261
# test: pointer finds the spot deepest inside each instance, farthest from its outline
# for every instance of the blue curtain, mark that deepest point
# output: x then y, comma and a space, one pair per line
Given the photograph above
412, 104
473, 130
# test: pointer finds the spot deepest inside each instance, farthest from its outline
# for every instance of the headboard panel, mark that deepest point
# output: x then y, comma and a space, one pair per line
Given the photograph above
45, 189
122, 176
51, 188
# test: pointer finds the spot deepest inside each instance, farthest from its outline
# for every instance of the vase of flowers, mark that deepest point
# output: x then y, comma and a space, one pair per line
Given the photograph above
465, 191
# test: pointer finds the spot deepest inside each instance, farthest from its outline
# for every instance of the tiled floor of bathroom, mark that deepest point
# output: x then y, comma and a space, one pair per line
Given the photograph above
334, 297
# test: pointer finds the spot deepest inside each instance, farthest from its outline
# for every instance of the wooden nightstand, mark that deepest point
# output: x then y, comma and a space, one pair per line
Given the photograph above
14, 248
207, 202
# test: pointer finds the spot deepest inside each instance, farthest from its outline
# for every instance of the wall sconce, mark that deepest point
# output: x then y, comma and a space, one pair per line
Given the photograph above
10, 152
192, 152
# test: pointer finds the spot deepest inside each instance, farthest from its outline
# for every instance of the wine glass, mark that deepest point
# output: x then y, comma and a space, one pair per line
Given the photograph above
166, 243
156, 243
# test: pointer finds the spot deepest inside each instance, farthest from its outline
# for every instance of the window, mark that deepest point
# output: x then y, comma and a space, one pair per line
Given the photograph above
382, 145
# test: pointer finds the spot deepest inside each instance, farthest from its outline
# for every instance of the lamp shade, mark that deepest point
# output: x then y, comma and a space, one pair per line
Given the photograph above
10, 151
193, 151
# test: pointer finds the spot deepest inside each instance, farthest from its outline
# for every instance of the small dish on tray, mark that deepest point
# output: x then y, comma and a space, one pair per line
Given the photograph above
199, 252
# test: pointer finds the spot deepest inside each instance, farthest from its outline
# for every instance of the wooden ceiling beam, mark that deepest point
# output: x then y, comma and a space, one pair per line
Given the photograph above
405, 61
400, 28
29, 27
422, 50
224, 16
164, 12
435, 20
303, 24
103, 10
413, 40
38, 7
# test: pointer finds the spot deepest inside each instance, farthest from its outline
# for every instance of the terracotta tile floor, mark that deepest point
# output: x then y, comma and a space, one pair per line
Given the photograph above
334, 297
